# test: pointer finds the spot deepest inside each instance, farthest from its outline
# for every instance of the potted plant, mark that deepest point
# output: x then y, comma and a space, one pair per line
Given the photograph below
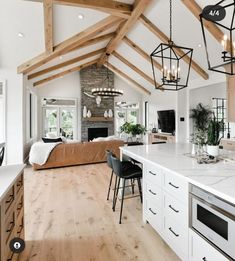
137, 130
214, 137
201, 116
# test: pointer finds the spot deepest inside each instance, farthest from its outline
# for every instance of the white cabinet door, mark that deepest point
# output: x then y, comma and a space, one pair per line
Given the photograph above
201, 250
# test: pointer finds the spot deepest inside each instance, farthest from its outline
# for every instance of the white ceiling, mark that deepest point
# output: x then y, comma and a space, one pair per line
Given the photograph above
27, 17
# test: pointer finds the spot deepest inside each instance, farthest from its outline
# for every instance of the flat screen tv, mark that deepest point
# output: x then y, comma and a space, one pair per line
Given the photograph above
166, 121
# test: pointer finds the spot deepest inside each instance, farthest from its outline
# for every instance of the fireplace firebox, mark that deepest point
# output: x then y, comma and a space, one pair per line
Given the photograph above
97, 132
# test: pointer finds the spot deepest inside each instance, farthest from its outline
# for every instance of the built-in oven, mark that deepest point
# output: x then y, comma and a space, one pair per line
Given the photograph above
214, 219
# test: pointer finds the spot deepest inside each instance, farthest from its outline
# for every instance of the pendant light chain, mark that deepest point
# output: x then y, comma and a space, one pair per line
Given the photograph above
170, 20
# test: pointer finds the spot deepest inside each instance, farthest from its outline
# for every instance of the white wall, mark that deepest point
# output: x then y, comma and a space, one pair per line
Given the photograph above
159, 100
66, 87
14, 115
205, 95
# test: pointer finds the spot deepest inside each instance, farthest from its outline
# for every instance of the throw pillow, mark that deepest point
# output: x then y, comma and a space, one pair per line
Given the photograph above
47, 140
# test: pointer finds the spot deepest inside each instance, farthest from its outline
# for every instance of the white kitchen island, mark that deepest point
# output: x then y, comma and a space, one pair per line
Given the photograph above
168, 171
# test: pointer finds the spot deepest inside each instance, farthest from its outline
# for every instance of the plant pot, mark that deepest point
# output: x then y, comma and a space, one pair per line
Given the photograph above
213, 150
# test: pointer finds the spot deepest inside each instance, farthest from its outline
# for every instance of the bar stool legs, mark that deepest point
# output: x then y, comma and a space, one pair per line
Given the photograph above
140, 190
110, 185
123, 193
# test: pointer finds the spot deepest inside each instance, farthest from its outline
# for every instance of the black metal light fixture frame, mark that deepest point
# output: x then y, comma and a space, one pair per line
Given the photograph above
228, 53
108, 91
171, 78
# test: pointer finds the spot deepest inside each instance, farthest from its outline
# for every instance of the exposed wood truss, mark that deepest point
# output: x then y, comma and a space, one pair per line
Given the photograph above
69, 44
133, 67
122, 74
196, 11
156, 31
139, 8
48, 25
61, 74
113, 7
64, 64
141, 52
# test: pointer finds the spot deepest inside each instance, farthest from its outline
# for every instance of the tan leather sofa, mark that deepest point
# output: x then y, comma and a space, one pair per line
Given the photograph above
70, 154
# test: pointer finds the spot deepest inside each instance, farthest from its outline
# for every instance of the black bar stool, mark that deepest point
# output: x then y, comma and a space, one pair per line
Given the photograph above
125, 164
125, 172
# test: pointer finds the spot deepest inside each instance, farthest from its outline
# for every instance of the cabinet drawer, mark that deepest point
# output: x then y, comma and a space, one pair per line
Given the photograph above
9, 226
154, 174
153, 193
19, 205
176, 210
154, 214
19, 183
177, 237
9, 199
201, 250
176, 186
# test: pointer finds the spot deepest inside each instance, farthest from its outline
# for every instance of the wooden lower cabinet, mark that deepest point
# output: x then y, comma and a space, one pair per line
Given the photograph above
161, 137
12, 218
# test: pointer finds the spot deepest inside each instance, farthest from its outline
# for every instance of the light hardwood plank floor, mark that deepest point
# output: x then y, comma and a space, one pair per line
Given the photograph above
68, 218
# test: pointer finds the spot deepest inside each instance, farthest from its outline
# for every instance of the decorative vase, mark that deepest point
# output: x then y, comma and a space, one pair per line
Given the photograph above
89, 114
193, 152
213, 150
84, 112
105, 114
110, 113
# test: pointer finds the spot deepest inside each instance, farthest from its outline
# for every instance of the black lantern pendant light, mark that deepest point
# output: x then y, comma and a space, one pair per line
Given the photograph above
174, 75
107, 91
221, 14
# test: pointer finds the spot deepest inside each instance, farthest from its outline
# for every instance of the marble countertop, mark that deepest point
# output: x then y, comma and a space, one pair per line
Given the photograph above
8, 175
217, 178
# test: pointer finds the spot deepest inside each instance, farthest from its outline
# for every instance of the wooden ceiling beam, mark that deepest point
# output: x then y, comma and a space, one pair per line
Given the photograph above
55, 76
156, 31
112, 7
196, 10
140, 51
64, 64
139, 8
48, 25
69, 44
133, 67
129, 79
93, 41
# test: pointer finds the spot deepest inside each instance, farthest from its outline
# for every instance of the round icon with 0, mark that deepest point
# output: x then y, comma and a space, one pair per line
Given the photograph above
17, 245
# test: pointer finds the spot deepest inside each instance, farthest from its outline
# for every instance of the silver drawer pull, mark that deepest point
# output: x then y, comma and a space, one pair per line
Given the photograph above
154, 213
176, 211
154, 174
152, 192
173, 232
174, 186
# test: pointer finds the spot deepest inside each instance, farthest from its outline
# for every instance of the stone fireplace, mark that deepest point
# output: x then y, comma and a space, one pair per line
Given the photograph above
93, 77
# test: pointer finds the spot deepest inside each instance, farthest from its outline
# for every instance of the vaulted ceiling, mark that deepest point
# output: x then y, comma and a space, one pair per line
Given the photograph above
56, 42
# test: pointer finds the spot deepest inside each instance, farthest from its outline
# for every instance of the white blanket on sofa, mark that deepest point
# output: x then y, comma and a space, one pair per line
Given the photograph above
40, 152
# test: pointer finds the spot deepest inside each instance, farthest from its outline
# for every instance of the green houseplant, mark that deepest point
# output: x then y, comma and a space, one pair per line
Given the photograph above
137, 129
201, 116
213, 136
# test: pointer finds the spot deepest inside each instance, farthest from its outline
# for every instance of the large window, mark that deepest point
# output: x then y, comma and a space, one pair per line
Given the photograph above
31, 115
125, 112
59, 118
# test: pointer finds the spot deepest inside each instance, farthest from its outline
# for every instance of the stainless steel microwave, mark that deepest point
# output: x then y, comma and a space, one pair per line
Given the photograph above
214, 219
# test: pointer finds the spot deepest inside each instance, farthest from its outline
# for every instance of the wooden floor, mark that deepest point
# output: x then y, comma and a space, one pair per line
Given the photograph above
69, 219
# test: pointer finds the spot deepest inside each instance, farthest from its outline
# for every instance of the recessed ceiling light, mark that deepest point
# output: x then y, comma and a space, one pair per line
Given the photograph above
199, 45
21, 35
81, 16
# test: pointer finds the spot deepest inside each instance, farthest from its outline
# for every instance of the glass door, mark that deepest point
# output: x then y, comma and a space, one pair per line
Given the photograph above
59, 121
51, 122
67, 123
